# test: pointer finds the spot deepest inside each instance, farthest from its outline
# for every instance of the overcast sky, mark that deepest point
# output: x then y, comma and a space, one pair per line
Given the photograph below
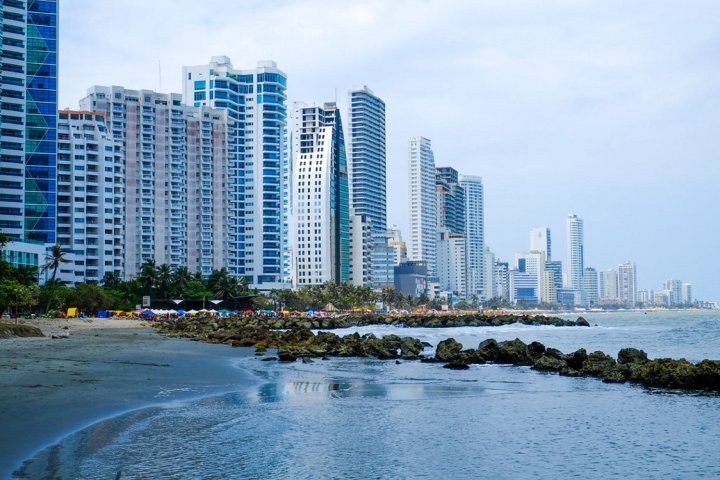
606, 109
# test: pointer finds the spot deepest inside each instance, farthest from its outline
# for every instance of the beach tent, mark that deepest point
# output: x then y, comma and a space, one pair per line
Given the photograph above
72, 312
147, 312
192, 312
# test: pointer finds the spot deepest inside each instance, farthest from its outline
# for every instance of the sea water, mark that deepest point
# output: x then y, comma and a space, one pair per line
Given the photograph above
362, 418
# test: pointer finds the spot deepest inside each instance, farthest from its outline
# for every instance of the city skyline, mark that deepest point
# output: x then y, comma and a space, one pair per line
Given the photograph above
622, 113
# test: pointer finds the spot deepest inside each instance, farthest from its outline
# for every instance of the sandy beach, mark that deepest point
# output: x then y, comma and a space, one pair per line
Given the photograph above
50, 387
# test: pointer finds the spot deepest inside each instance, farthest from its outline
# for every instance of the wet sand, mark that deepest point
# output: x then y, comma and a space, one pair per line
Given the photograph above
50, 388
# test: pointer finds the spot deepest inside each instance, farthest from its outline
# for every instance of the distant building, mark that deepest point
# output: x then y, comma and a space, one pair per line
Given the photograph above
524, 287
590, 286
540, 241
488, 273
609, 286
555, 267
687, 298
321, 198
475, 237
411, 278
575, 255
627, 284
451, 262
502, 280
91, 197
450, 200
397, 244
423, 206
674, 287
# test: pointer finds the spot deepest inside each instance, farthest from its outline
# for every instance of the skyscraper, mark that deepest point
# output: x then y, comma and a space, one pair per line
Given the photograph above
627, 283
575, 255
590, 286
367, 178
28, 119
259, 174
450, 200
176, 166
474, 235
423, 206
320, 195
540, 241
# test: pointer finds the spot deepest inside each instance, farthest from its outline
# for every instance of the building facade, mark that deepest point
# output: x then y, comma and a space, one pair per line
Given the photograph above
590, 286
451, 262
540, 241
320, 196
627, 284
28, 119
575, 254
91, 197
475, 236
176, 177
422, 202
259, 171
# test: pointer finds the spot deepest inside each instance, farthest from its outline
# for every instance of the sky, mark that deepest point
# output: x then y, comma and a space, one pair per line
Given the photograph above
606, 109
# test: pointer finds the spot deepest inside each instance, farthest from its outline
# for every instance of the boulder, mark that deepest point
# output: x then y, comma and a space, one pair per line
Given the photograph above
448, 349
598, 364
576, 359
548, 363
458, 363
669, 373
581, 322
514, 352
410, 347
488, 349
536, 349
628, 356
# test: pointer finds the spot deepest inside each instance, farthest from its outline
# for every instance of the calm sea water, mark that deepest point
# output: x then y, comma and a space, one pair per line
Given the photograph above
364, 418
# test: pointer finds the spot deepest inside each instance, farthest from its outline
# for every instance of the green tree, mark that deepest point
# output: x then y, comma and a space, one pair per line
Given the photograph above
111, 280
148, 276
54, 258
89, 298
181, 277
14, 295
164, 281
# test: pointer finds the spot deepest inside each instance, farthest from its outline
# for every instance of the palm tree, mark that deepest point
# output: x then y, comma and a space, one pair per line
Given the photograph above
111, 280
164, 276
181, 278
53, 259
148, 276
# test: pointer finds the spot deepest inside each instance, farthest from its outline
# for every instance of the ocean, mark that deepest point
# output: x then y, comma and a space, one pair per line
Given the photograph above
363, 418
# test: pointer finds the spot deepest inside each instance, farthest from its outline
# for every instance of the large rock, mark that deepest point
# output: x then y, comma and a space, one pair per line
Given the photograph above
576, 359
627, 356
548, 363
487, 349
9, 330
536, 350
514, 352
410, 348
598, 364
669, 373
448, 349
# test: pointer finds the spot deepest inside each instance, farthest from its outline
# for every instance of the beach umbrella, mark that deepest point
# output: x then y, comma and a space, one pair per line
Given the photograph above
192, 312
181, 312
147, 312
172, 312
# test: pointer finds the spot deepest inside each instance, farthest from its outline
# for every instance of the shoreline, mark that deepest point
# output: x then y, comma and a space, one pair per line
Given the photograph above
106, 367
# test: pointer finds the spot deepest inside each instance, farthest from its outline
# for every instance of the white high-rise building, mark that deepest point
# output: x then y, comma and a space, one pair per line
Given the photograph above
176, 174
687, 298
367, 179
91, 198
590, 286
397, 244
258, 179
475, 236
423, 205
609, 286
575, 254
489, 273
320, 196
627, 283
540, 241
451, 262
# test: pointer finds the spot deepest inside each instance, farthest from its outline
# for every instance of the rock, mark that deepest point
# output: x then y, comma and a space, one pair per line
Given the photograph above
514, 352
548, 363
581, 322
598, 364
448, 349
536, 349
615, 376
576, 359
488, 349
410, 347
285, 356
632, 356
458, 363
10, 330
268, 359
669, 373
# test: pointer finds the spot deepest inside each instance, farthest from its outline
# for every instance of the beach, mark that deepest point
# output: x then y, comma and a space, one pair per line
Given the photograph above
51, 387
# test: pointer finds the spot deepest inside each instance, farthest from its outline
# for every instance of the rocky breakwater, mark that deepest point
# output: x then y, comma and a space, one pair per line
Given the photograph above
297, 342
631, 364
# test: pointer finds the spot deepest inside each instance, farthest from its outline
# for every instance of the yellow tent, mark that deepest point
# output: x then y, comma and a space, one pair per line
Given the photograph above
72, 312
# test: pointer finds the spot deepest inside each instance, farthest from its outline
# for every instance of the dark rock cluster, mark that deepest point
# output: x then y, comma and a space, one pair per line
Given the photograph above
298, 342
9, 330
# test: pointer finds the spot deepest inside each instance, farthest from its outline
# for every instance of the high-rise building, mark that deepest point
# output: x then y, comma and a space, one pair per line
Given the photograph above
627, 283
91, 197
475, 236
608, 286
367, 177
259, 172
555, 267
502, 280
320, 195
590, 286
423, 206
451, 262
540, 241
450, 200
28, 119
397, 244
532, 263
489, 275
176, 174
687, 298
575, 255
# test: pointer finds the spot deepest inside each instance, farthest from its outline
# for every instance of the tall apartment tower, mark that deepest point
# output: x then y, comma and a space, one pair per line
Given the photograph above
259, 171
450, 200
609, 286
91, 197
475, 236
320, 195
176, 175
28, 119
627, 283
590, 286
575, 255
423, 206
367, 178
540, 241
